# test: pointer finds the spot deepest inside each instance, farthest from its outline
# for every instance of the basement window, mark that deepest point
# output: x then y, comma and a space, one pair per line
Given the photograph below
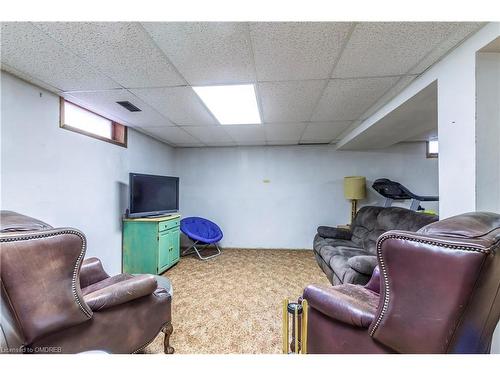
432, 149
83, 121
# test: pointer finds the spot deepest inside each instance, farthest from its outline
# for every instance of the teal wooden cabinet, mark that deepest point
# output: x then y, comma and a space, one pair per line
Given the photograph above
151, 245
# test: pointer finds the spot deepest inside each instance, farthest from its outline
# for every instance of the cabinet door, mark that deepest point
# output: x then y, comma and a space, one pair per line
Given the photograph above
164, 250
175, 245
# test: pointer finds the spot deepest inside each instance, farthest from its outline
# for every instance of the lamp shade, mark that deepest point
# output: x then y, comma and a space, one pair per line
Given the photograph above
354, 187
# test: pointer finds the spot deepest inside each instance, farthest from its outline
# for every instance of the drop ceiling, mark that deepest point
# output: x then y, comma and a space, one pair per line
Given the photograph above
415, 120
313, 80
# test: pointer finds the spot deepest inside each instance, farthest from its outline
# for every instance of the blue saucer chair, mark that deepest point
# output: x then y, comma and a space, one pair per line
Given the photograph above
201, 232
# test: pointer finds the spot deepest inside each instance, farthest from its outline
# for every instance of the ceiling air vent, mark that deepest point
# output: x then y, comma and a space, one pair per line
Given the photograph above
129, 106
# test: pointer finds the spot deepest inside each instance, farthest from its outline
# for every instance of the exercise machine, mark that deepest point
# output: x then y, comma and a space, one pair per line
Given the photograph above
394, 191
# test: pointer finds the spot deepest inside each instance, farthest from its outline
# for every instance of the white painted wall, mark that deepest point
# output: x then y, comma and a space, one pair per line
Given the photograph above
65, 178
305, 188
488, 131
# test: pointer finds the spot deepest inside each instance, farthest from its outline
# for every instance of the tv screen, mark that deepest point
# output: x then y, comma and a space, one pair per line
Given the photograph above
153, 195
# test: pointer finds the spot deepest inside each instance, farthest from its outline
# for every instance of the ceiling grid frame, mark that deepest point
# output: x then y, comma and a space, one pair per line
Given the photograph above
346, 41
444, 45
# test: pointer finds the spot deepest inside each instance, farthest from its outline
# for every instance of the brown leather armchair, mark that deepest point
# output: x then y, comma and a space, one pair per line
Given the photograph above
438, 291
54, 301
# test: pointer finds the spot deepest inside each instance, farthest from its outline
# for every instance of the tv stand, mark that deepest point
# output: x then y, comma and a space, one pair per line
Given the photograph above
127, 215
159, 216
151, 244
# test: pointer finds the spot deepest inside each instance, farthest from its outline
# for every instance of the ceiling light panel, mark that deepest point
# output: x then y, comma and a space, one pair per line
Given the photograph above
231, 105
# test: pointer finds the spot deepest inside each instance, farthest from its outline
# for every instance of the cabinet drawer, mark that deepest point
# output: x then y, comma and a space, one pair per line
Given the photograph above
168, 224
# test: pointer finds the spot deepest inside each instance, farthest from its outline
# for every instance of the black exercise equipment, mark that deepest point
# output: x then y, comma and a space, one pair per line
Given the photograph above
394, 191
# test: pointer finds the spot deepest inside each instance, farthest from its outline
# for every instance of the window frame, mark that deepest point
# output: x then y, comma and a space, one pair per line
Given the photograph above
431, 155
118, 131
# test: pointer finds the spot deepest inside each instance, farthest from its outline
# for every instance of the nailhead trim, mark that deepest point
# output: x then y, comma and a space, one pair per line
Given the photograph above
381, 262
38, 235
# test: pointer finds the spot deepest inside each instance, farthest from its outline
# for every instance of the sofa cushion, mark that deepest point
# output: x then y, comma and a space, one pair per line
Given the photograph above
339, 257
364, 224
337, 233
335, 243
320, 242
326, 253
352, 276
398, 218
371, 222
363, 263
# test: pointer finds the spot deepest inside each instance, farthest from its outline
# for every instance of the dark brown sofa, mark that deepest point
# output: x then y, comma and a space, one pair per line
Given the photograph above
54, 301
437, 292
348, 256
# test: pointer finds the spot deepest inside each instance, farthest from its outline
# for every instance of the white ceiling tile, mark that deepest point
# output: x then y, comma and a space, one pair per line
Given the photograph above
247, 134
390, 48
28, 78
206, 52
284, 133
180, 104
104, 103
31, 52
173, 135
122, 50
296, 50
291, 101
323, 132
461, 31
209, 134
347, 99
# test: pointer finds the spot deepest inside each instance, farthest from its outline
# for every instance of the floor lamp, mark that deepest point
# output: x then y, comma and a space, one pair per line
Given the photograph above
354, 189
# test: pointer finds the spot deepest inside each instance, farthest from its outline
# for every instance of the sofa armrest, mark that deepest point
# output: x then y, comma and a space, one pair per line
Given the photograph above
121, 292
348, 303
91, 272
338, 233
364, 264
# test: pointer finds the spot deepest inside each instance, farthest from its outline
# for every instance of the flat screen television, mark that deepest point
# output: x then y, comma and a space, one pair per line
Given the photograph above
152, 195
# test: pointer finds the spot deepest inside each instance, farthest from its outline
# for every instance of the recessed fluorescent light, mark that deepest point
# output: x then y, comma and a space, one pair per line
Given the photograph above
232, 104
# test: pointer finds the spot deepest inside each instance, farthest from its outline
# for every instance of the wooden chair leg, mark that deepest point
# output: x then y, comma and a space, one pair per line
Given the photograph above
167, 330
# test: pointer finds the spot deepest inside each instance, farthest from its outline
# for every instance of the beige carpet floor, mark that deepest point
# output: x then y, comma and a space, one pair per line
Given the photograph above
232, 303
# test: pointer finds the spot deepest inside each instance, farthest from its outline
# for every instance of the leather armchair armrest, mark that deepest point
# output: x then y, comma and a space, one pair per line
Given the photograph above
121, 292
338, 233
348, 303
91, 272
